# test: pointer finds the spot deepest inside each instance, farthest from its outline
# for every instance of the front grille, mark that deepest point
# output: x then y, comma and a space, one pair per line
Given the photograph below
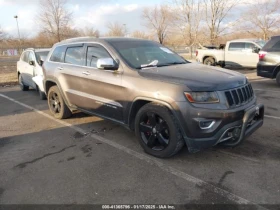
239, 96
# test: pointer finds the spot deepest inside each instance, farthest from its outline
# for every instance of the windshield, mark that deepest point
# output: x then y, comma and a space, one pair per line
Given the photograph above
41, 54
261, 43
140, 54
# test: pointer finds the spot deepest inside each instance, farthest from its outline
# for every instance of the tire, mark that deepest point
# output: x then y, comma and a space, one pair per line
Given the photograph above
209, 61
278, 78
157, 131
57, 106
23, 87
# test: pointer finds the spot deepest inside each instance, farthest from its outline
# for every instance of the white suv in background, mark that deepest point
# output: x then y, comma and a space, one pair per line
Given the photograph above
29, 69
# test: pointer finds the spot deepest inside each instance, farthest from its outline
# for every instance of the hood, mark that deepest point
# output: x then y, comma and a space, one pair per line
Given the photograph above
196, 77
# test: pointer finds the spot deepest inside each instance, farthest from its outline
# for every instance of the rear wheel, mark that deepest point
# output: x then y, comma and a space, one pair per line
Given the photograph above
157, 131
57, 105
23, 87
278, 78
209, 61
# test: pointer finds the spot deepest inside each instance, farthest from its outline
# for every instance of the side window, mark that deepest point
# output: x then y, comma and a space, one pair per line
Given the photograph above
74, 55
236, 46
94, 53
276, 47
58, 54
249, 46
31, 57
25, 57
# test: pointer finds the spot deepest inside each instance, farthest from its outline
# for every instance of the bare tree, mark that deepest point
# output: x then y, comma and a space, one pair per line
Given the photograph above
54, 17
3, 35
216, 11
140, 35
116, 29
262, 17
90, 31
188, 19
158, 19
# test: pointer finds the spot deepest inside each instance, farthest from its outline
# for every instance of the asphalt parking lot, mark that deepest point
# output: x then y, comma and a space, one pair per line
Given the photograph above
87, 160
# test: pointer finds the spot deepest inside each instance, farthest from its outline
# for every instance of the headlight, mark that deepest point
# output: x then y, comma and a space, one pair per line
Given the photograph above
202, 97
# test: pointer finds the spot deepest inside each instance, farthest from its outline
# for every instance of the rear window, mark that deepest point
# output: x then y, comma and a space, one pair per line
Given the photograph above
273, 45
58, 54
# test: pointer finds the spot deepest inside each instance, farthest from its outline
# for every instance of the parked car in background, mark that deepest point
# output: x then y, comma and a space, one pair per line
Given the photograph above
237, 53
142, 85
29, 69
269, 60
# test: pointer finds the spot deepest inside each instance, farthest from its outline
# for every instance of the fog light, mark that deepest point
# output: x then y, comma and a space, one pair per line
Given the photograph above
206, 124
236, 133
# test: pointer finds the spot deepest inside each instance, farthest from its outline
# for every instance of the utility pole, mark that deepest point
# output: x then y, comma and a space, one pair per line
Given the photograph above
16, 17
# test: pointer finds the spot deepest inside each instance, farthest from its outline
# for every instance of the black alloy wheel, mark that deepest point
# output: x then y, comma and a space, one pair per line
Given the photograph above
154, 131
157, 131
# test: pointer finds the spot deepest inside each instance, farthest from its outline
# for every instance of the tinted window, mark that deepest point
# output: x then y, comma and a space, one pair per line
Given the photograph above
41, 54
236, 46
74, 55
272, 45
58, 54
276, 47
94, 53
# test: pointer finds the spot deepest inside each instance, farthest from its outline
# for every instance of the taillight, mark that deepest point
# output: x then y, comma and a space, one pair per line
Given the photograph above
262, 54
196, 53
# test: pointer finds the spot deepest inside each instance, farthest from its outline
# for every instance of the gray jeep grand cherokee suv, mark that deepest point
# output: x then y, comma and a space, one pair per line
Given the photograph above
168, 101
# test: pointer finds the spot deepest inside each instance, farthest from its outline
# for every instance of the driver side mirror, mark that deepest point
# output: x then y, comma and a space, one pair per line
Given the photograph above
107, 64
256, 50
31, 63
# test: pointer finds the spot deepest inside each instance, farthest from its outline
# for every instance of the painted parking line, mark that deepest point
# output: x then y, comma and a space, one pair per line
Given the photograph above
149, 159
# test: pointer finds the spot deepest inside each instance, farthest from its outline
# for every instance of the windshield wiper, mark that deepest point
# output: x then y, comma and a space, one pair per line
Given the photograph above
173, 63
152, 64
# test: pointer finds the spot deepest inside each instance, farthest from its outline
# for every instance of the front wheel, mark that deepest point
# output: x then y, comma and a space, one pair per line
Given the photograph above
57, 105
157, 131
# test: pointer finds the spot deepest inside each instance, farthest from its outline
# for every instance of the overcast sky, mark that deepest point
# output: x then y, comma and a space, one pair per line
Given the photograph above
94, 13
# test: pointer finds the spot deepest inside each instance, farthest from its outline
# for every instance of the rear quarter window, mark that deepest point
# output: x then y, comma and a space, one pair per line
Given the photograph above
58, 54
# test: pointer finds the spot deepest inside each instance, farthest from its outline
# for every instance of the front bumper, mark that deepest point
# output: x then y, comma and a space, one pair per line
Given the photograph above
246, 121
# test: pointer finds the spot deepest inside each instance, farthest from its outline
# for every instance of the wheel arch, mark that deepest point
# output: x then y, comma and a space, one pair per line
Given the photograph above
276, 71
141, 101
209, 56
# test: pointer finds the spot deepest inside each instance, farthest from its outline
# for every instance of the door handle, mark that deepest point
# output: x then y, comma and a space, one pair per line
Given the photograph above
86, 73
60, 68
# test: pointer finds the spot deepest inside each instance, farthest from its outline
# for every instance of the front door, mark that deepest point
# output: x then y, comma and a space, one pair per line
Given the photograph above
235, 55
88, 88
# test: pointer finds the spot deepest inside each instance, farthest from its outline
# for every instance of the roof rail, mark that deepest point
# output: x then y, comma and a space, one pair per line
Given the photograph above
77, 38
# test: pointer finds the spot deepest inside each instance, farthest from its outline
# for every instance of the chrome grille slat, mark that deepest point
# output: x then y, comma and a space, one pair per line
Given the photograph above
239, 96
